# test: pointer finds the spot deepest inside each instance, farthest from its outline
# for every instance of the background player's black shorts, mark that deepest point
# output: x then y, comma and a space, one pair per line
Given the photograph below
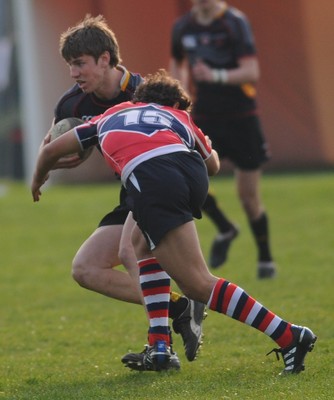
119, 214
166, 192
240, 140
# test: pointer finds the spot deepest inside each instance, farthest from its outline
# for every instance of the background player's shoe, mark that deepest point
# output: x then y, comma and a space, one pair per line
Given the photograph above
143, 361
220, 246
266, 270
189, 326
294, 355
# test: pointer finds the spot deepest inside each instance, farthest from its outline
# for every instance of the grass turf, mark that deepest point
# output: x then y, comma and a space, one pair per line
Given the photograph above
59, 341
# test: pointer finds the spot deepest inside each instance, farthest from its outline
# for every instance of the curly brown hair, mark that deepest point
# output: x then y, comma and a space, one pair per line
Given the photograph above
161, 88
91, 36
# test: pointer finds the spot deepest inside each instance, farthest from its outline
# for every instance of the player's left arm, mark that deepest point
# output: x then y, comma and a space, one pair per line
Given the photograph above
247, 71
72, 161
209, 155
212, 163
48, 155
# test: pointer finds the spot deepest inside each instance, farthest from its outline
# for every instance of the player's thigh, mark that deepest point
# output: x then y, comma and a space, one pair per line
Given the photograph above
131, 237
180, 254
248, 182
125, 241
101, 248
130, 233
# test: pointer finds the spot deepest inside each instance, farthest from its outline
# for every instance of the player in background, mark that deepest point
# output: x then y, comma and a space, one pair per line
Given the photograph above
214, 56
151, 144
91, 51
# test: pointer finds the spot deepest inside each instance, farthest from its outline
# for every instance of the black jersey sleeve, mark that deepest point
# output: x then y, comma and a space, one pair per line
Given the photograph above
177, 50
67, 105
243, 38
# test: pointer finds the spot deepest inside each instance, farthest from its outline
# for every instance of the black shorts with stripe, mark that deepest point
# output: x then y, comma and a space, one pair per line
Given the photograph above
166, 192
119, 214
239, 140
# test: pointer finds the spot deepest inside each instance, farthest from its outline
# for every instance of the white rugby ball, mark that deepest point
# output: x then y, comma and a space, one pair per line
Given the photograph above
65, 125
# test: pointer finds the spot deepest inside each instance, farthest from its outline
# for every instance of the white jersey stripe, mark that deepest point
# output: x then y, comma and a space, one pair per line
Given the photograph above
160, 151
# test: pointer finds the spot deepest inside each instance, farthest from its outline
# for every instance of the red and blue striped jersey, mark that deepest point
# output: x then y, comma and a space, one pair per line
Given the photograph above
130, 134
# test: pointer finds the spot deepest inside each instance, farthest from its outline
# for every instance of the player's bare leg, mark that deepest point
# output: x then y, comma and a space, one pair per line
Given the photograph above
180, 255
93, 266
248, 186
127, 254
187, 314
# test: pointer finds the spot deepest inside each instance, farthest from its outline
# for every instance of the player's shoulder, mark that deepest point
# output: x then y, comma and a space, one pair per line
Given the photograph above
72, 92
182, 116
183, 21
234, 13
67, 102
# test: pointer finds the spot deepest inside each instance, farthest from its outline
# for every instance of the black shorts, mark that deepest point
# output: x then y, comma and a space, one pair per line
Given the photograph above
166, 192
240, 140
119, 214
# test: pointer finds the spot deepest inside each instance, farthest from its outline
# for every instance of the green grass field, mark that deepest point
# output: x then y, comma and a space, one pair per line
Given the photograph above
59, 341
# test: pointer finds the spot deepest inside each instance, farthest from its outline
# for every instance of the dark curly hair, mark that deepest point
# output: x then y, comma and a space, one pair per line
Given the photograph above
161, 88
92, 37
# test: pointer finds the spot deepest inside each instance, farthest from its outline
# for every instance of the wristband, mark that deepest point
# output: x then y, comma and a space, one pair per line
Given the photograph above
220, 76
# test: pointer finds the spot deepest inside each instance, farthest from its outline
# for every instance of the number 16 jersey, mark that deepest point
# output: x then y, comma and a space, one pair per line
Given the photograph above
130, 134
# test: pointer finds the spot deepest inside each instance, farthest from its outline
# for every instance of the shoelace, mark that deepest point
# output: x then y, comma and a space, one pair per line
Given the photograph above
276, 351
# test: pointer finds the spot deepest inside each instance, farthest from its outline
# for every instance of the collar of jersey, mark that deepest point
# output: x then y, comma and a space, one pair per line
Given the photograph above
125, 78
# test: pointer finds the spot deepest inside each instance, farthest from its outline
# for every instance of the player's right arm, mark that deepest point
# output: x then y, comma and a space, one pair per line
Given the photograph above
48, 156
71, 161
178, 63
203, 145
212, 162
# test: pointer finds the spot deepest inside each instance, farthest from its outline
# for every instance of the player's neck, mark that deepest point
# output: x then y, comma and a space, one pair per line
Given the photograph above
110, 87
206, 15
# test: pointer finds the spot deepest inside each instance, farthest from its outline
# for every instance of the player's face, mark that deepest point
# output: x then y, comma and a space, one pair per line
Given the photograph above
88, 73
205, 4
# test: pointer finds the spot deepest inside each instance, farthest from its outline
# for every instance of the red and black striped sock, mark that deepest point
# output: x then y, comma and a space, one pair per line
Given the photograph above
229, 299
155, 285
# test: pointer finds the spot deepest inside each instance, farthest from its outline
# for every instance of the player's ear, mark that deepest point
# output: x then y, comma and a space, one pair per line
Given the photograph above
176, 105
105, 58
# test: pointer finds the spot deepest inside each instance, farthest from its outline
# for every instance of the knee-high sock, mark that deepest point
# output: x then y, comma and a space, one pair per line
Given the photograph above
210, 207
260, 230
229, 299
155, 285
